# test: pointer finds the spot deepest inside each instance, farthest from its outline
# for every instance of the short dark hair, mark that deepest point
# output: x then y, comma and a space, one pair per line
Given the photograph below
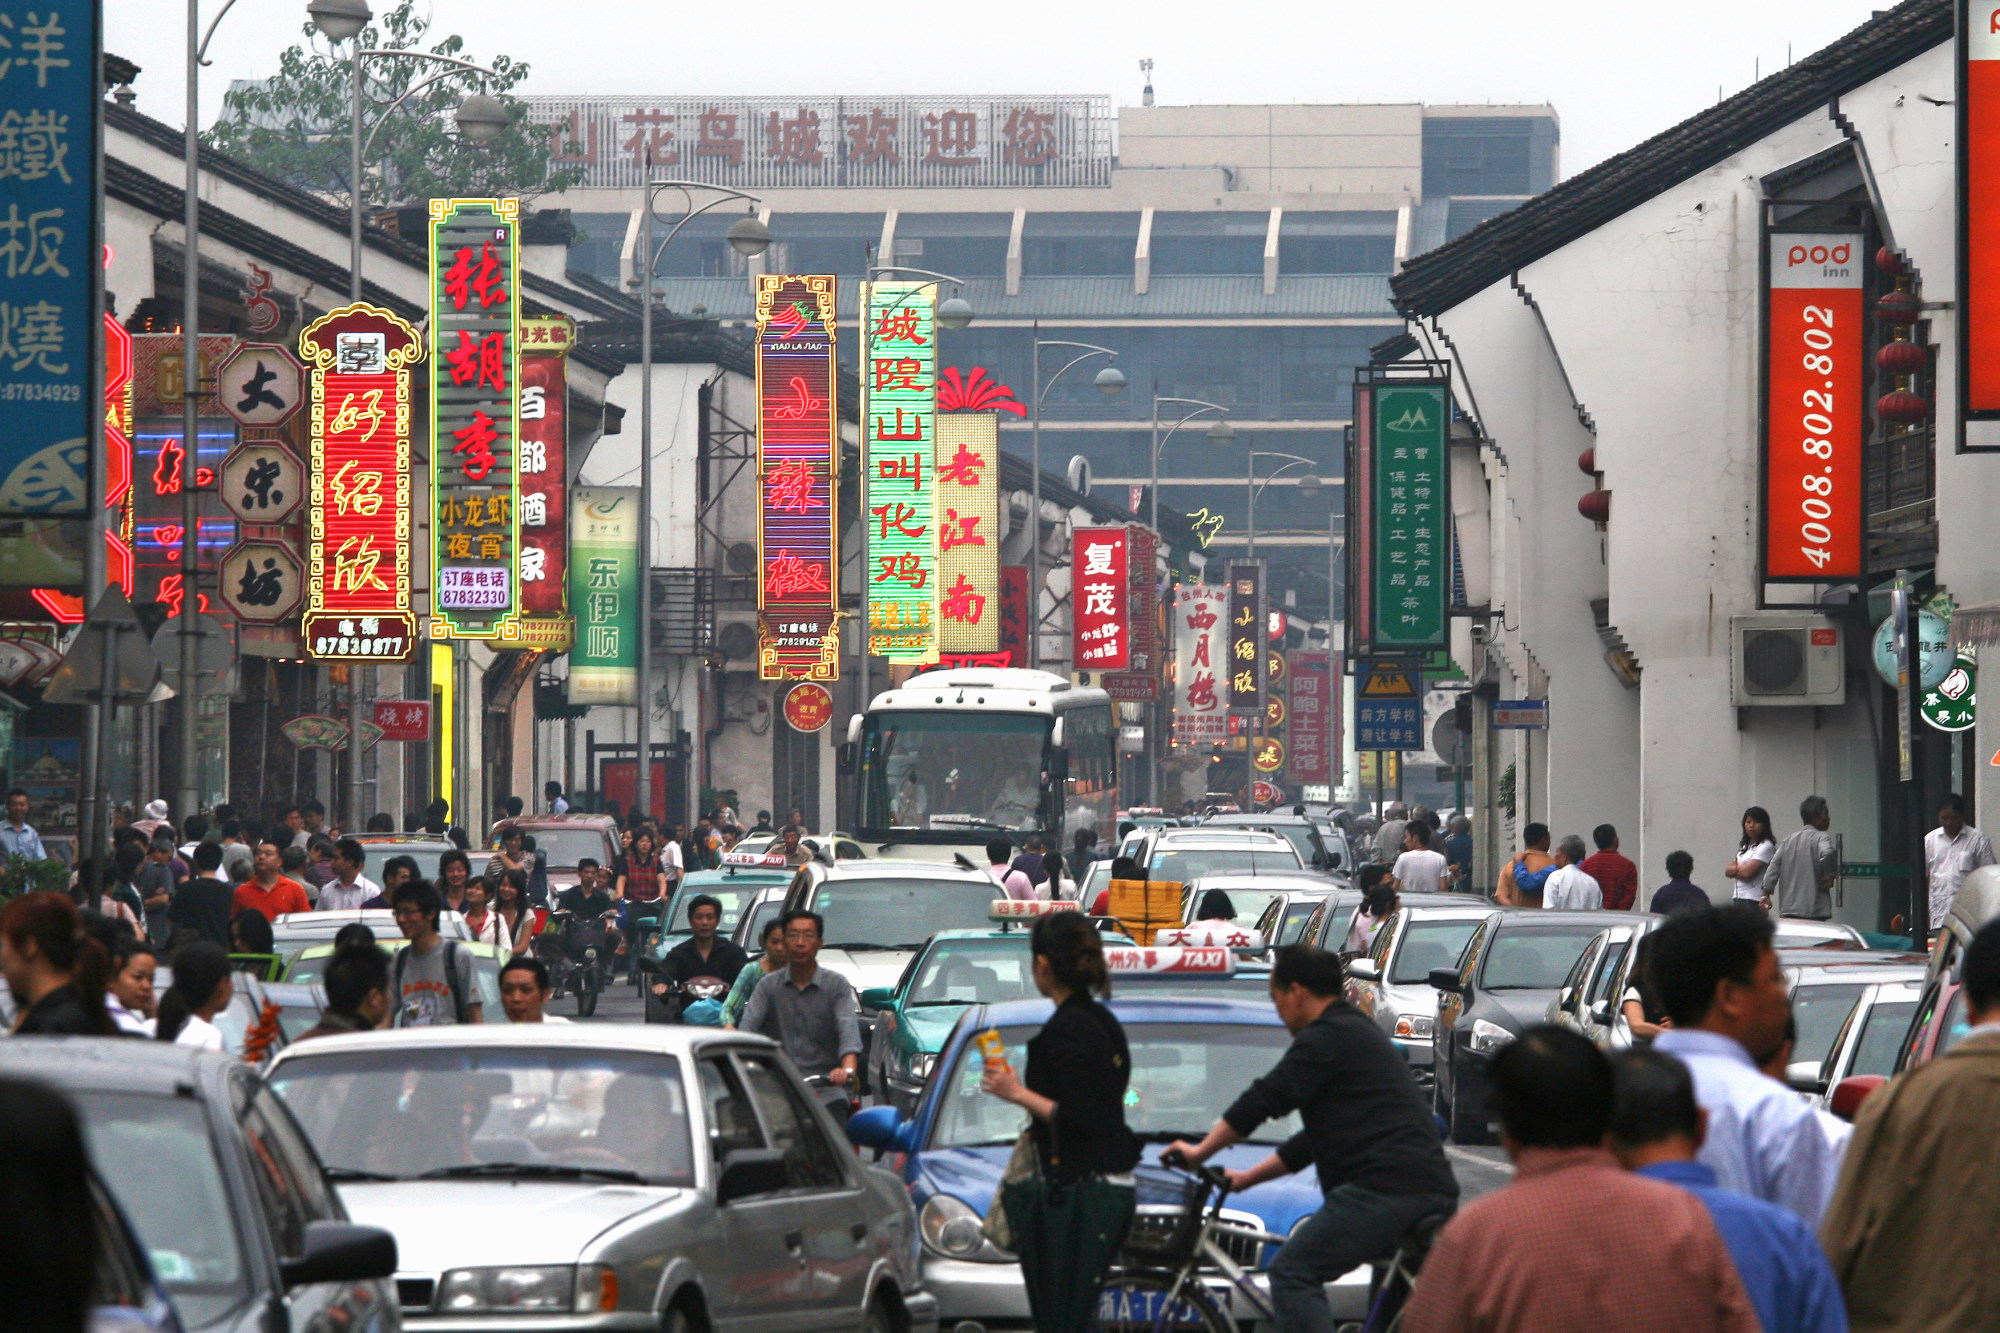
1693, 954
1811, 808
704, 900
1370, 875
527, 962
1980, 969
351, 934
512, 805
356, 969
801, 914
292, 858
454, 857
776, 923
208, 856
351, 851
1551, 1088
254, 929
422, 894
1679, 865
1954, 802
195, 826
1604, 835
16, 791
586, 863
1534, 835
1419, 831
1303, 965
1074, 951
232, 828
381, 822
312, 808
999, 851
1653, 1099
549, 788
408, 863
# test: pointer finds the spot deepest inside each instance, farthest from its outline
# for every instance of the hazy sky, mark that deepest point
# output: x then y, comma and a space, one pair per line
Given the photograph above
1614, 74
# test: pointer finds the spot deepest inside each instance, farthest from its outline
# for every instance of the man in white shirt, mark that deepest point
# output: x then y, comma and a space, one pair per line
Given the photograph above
552, 793
1569, 889
524, 991
349, 888
1000, 853
1419, 869
1952, 850
673, 865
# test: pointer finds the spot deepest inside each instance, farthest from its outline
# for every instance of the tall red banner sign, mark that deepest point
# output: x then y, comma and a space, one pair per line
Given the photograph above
1014, 614
1979, 210
1311, 717
1813, 329
1100, 599
798, 585
358, 528
544, 470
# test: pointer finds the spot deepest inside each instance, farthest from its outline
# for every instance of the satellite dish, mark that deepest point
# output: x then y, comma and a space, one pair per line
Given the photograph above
742, 558
1079, 474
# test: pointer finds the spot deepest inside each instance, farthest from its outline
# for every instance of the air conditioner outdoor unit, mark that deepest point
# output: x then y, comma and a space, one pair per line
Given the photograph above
1786, 659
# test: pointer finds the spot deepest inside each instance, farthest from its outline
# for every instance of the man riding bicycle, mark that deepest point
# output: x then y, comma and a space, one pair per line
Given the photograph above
809, 1010
586, 903
1368, 1133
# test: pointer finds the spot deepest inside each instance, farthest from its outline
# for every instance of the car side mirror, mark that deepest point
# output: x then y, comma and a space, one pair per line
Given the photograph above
844, 755
340, 1252
750, 1171
1446, 979
1364, 969
880, 1127
1850, 1092
1600, 1013
878, 997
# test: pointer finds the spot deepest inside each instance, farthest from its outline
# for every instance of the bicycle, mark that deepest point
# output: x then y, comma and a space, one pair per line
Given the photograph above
572, 947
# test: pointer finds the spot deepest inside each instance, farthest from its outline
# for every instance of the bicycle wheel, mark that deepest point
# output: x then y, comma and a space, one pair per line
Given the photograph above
1134, 1300
587, 984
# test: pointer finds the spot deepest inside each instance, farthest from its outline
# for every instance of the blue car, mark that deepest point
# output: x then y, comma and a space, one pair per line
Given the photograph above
1191, 1056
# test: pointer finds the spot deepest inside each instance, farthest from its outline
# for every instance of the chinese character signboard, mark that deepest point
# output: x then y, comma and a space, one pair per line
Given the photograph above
604, 586
544, 473
901, 516
403, 720
1100, 596
1201, 662
1143, 558
1388, 709
798, 581
968, 510
358, 526
1410, 556
1814, 377
1014, 614
49, 270
1314, 717
1248, 629
475, 533
832, 142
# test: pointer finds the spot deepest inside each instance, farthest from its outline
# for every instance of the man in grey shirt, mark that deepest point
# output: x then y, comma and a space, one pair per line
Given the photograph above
1801, 874
433, 982
805, 1008
1389, 838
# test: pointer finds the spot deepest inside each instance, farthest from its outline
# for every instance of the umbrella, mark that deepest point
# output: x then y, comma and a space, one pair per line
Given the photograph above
1066, 1236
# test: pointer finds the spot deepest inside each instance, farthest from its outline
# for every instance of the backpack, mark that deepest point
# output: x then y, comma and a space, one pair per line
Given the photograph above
450, 975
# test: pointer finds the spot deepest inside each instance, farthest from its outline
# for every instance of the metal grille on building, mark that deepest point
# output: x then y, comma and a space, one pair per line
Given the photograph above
683, 611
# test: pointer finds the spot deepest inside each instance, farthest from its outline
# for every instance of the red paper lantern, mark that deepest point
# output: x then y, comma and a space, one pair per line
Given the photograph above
1901, 358
1902, 406
1898, 308
1890, 263
1586, 461
1595, 506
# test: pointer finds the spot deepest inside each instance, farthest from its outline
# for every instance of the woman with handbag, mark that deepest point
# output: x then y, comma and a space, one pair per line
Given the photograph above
1068, 1216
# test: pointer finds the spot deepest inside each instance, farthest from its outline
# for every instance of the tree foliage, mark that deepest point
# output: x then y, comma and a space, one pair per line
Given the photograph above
296, 124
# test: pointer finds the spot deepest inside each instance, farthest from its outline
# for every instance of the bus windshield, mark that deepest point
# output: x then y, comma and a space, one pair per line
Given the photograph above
953, 771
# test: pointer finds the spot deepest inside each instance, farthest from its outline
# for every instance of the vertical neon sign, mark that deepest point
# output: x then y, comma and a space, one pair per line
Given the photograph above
901, 515
798, 584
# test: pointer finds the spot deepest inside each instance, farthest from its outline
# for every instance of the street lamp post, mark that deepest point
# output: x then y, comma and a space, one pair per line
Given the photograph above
954, 312
1109, 381
1221, 433
481, 119
1309, 484
747, 236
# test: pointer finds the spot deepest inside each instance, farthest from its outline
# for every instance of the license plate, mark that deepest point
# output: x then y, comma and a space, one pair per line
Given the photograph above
1122, 1307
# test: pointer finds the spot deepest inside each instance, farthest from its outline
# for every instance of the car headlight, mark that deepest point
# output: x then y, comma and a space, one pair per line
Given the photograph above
1407, 1026
950, 1228
528, 1290
1489, 1036
921, 1065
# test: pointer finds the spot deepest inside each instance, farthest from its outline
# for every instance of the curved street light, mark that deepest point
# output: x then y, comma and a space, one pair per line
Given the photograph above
1220, 433
1309, 484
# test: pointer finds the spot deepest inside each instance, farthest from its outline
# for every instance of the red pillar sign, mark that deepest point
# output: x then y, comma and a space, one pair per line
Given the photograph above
1813, 331
798, 452
1100, 592
544, 471
1979, 210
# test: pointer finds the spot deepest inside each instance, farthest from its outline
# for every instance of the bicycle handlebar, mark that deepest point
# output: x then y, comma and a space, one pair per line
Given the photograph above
1214, 1175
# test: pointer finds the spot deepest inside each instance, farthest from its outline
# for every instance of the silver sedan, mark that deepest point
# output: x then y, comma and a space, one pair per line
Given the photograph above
606, 1178
1391, 982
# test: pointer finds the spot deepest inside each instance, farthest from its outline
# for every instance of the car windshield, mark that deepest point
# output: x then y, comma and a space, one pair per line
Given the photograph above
427, 858
975, 972
494, 1110
1430, 944
899, 913
1298, 911
735, 896
158, 1157
1178, 866
564, 847
939, 770
1184, 1076
1535, 959
1882, 1037
1820, 1012
1249, 903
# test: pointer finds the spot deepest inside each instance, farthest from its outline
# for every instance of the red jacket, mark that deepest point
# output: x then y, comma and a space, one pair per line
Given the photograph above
1617, 876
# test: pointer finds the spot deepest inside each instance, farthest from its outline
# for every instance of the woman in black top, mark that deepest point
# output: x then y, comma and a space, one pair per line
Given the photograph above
56, 971
1070, 1218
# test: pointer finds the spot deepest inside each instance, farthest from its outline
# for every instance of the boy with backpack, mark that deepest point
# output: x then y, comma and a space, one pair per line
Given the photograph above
433, 982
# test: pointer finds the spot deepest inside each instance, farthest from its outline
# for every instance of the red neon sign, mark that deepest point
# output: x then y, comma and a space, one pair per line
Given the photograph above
796, 510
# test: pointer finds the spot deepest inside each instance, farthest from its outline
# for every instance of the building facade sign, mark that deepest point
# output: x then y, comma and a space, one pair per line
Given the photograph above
901, 518
50, 123
1314, 717
1814, 334
475, 422
968, 508
1100, 598
832, 142
544, 473
358, 520
1979, 212
1247, 631
1014, 614
798, 451
604, 587
1411, 556
1201, 665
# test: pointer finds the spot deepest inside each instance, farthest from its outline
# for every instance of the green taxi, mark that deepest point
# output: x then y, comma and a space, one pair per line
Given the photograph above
955, 970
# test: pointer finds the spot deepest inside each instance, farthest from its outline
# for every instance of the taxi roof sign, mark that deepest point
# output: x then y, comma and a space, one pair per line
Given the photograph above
763, 860
1023, 909
1172, 962
1211, 934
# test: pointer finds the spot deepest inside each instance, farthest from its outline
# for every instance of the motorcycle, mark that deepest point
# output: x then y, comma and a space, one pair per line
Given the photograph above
696, 1001
574, 949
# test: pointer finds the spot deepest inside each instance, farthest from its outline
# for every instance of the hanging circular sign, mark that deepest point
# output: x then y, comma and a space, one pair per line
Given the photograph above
1275, 668
1934, 654
1274, 712
1269, 756
1953, 704
808, 707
